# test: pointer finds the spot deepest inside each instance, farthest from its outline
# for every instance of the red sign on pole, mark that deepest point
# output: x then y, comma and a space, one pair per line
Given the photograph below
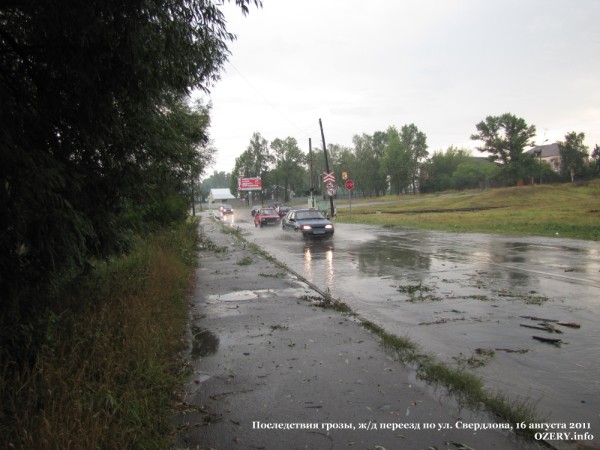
249, 184
349, 185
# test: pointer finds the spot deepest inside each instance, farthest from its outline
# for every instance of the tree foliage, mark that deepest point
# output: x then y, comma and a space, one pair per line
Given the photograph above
595, 164
95, 134
368, 172
440, 167
289, 165
397, 162
505, 138
415, 142
573, 154
254, 162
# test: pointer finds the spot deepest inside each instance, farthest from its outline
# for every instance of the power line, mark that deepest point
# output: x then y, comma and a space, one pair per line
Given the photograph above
266, 99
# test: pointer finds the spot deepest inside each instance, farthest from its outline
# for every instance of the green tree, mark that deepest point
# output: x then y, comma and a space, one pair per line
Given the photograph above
505, 138
95, 133
415, 143
438, 170
254, 162
397, 162
367, 173
215, 181
573, 154
474, 174
289, 162
595, 164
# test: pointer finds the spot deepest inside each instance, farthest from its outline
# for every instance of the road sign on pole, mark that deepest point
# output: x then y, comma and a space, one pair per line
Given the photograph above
350, 186
328, 177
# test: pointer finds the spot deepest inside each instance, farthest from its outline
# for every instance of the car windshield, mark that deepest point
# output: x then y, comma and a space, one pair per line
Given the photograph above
267, 211
304, 215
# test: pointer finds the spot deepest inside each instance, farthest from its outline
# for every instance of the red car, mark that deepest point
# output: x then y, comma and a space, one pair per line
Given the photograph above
283, 210
265, 216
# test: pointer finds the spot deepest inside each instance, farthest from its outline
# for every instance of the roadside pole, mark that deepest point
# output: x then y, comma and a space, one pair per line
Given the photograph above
349, 187
350, 201
311, 200
326, 167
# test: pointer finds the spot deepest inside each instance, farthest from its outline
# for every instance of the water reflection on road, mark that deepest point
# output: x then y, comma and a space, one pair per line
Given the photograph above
457, 294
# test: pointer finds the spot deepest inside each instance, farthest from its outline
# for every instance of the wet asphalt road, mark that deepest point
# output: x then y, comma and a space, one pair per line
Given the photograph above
265, 355
463, 295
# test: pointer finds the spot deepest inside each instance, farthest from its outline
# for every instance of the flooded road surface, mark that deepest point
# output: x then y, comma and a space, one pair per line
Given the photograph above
471, 299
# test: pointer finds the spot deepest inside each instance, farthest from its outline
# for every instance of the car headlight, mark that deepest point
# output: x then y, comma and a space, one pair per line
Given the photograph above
329, 227
306, 227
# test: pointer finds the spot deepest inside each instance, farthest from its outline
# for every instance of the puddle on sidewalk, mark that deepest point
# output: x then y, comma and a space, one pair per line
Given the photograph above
234, 296
204, 343
258, 293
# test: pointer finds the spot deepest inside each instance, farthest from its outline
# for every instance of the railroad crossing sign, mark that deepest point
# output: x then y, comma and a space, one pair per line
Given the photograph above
331, 191
349, 185
328, 177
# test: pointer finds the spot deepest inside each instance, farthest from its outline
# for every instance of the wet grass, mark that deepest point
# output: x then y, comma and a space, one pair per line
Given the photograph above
568, 210
479, 358
415, 293
273, 275
245, 261
466, 387
107, 368
529, 298
208, 245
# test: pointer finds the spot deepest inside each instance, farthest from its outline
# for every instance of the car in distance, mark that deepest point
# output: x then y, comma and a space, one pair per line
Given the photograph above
308, 221
265, 216
226, 209
283, 210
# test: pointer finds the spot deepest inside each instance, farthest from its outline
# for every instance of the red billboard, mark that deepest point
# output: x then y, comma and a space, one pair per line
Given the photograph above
249, 184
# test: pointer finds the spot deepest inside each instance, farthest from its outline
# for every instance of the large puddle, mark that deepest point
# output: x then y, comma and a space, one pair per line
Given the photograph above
487, 302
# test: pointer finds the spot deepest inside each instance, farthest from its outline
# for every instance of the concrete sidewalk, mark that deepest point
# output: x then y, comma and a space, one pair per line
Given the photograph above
273, 370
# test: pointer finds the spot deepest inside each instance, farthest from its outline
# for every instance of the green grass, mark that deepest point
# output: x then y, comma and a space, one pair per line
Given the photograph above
466, 387
106, 370
568, 210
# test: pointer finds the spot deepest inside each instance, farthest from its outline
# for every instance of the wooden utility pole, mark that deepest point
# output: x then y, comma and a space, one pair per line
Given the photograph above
326, 167
311, 202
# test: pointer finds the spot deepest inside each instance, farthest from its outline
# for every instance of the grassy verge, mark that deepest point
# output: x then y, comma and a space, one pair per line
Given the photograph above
106, 371
570, 211
467, 388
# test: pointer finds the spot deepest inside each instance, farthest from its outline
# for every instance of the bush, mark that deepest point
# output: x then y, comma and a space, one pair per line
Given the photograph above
103, 371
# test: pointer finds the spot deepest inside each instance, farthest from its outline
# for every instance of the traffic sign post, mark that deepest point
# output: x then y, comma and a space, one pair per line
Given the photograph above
328, 177
350, 186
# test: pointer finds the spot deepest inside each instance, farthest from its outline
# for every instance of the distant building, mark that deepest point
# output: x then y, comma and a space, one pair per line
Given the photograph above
219, 196
550, 153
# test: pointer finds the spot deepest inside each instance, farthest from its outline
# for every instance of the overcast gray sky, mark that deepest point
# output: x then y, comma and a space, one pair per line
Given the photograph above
444, 65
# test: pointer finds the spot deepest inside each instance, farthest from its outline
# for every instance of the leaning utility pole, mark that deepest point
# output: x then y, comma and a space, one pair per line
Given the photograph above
326, 166
311, 201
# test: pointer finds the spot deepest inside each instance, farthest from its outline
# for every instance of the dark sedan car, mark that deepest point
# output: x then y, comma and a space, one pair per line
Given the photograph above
309, 221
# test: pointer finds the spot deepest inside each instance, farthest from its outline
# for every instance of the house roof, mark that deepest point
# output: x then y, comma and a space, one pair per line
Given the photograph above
547, 150
220, 194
